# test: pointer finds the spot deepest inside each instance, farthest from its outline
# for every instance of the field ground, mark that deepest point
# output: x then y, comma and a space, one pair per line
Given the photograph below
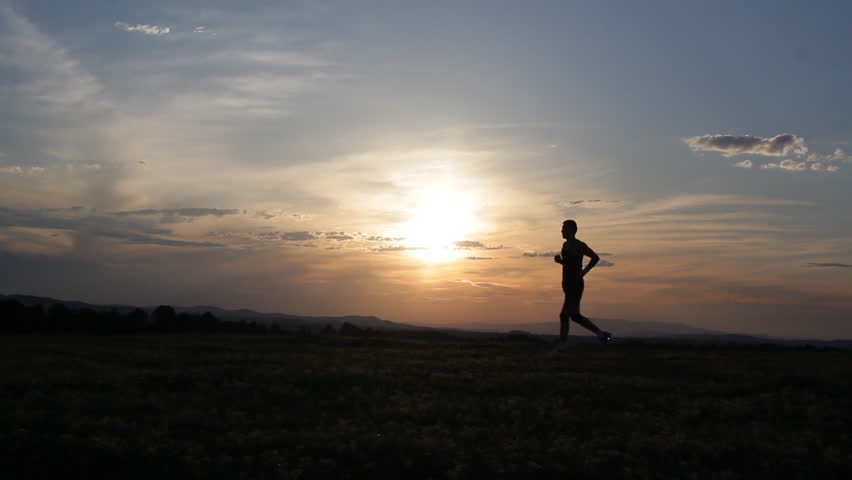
201, 406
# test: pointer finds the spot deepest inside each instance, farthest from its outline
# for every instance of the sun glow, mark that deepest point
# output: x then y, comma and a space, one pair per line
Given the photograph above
441, 217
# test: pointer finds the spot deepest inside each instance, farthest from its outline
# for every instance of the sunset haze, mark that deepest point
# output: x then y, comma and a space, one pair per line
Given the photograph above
415, 160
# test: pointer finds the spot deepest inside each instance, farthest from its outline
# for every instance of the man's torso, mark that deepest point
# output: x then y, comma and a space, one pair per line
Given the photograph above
572, 259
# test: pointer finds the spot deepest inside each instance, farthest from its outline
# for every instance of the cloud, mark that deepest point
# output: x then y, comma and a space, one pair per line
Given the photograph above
787, 164
744, 164
829, 265
298, 236
478, 258
35, 241
378, 238
151, 240
823, 162
267, 235
265, 215
473, 245
339, 236
467, 244
730, 145
143, 28
595, 203
59, 115
46, 77
277, 212
489, 285
80, 221
839, 155
605, 263
178, 215
394, 248
200, 29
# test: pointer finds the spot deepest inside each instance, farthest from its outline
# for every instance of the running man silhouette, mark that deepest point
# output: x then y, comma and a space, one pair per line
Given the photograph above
571, 259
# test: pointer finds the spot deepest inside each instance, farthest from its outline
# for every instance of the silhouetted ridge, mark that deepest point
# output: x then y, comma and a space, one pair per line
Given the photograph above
32, 314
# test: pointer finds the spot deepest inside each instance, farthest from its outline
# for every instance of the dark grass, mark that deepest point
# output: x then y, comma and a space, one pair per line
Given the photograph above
195, 406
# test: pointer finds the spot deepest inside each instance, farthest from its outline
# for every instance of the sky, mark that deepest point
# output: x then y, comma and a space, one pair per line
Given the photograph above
415, 160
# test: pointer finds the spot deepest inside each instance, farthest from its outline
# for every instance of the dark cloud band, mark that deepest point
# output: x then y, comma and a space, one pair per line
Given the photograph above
181, 212
729, 145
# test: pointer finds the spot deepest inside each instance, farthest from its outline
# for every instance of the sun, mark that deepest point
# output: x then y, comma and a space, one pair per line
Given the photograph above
441, 217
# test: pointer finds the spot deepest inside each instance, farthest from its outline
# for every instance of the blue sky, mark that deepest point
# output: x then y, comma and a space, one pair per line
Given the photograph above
415, 160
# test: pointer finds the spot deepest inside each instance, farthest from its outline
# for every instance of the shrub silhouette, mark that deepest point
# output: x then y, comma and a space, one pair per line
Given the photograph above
348, 329
163, 318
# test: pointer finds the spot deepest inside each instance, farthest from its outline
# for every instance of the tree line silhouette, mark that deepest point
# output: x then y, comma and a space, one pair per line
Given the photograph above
16, 317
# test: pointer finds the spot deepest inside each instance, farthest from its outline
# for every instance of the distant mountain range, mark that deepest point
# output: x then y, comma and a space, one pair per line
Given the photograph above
658, 332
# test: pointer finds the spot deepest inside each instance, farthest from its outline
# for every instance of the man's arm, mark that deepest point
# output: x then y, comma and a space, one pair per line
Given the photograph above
594, 260
558, 259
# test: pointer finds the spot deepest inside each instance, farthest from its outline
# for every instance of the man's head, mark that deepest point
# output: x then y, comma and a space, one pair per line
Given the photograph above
569, 229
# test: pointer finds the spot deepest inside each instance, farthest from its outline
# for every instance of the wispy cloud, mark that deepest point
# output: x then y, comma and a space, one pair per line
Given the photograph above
394, 248
278, 213
298, 236
183, 212
19, 170
744, 164
152, 240
478, 258
787, 164
489, 285
47, 77
143, 28
540, 254
474, 245
63, 120
829, 265
730, 145
595, 203
80, 221
338, 236
839, 155
379, 238
179, 215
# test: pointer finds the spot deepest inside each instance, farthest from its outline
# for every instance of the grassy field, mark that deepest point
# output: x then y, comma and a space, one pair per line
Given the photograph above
195, 406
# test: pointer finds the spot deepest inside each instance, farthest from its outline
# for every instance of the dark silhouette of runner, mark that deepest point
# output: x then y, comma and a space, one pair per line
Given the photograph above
571, 259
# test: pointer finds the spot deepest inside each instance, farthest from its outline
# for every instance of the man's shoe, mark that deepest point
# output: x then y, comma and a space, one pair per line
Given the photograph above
604, 337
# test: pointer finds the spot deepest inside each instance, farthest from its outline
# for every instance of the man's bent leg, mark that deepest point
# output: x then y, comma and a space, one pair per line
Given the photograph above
585, 322
575, 311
